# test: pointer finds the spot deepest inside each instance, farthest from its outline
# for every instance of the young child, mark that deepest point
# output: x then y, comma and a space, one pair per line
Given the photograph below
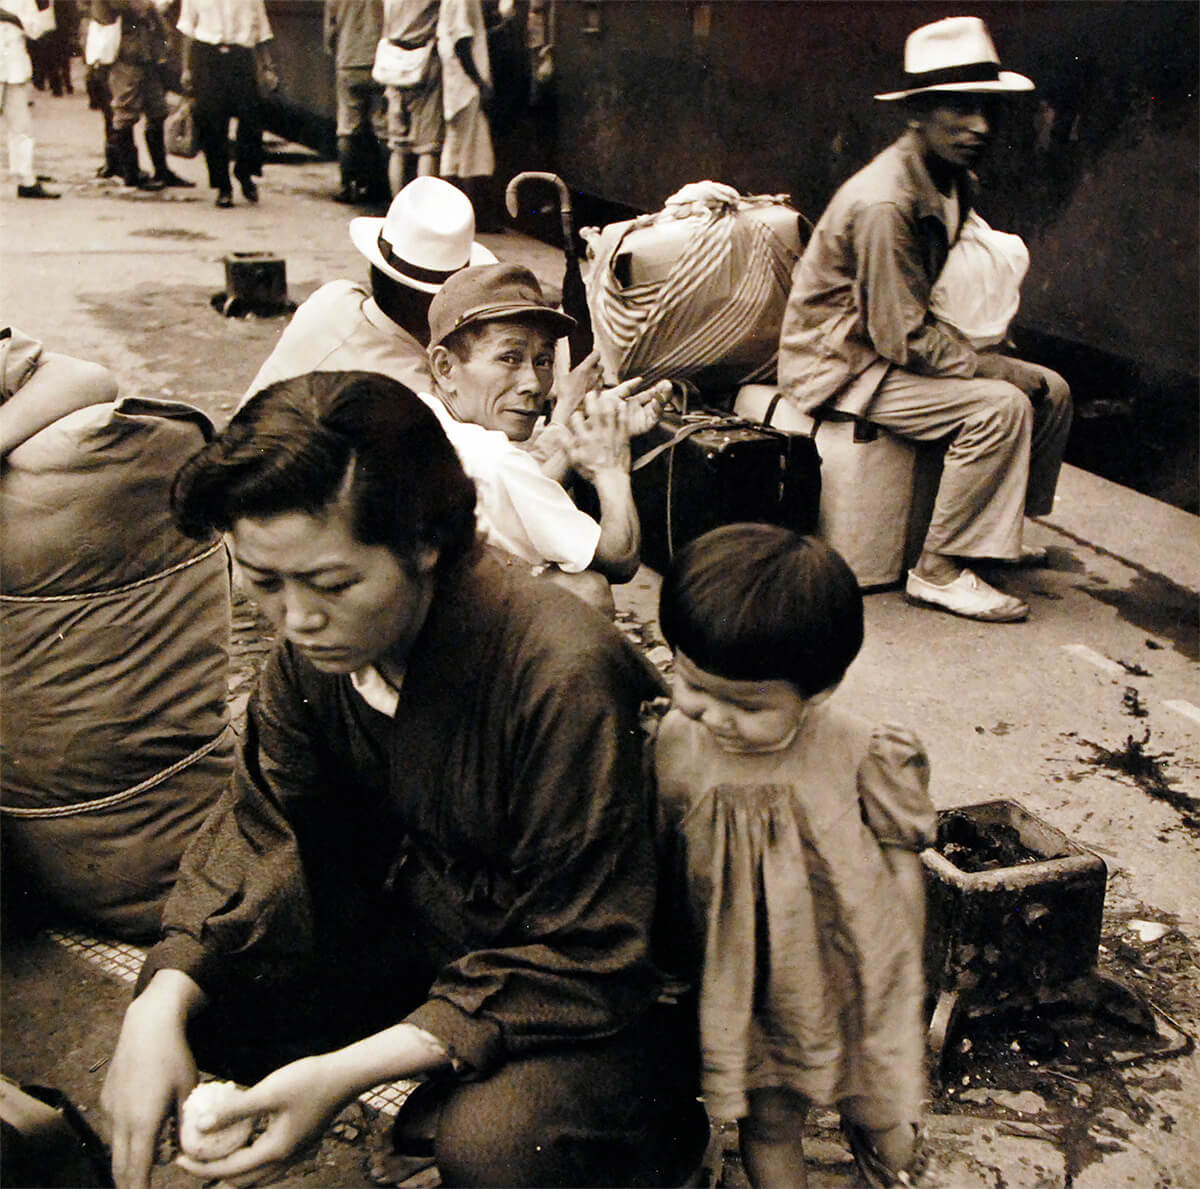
800, 824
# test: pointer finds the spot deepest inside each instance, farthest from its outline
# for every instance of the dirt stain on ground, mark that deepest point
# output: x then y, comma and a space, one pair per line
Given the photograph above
1148, 771
194, 353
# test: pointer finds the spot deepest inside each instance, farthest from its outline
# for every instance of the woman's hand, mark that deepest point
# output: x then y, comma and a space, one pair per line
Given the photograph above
298, 1100
151, 1073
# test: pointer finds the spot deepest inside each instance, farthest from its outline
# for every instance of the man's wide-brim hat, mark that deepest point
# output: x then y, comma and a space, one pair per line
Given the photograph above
955, 54
427, 235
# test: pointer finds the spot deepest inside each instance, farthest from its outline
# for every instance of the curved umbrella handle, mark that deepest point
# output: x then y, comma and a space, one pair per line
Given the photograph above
564, 201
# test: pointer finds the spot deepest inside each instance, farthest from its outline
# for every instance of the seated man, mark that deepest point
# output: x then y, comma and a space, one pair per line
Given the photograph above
858, 335
427, 235
435, 857
491, 352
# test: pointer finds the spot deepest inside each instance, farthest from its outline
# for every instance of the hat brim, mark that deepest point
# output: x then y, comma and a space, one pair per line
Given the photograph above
364, 235
1008, 82
560, 324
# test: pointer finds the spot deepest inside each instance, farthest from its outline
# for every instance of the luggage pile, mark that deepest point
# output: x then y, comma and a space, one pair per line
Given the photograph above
114, 670
696, 293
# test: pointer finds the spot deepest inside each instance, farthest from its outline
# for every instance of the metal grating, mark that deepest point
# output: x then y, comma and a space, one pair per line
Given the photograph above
123, 961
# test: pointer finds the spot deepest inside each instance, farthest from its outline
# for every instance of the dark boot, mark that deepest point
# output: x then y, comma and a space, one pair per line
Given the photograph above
379, 192
158, 157
127, 161
112, 164
348, 194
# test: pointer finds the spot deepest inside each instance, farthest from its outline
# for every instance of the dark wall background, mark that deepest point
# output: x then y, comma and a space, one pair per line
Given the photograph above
1098, 169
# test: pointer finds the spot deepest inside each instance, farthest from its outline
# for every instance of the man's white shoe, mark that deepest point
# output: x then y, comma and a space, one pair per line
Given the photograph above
967, 595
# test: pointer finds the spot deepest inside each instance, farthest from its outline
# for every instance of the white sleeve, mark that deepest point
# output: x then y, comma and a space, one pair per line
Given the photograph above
526, 512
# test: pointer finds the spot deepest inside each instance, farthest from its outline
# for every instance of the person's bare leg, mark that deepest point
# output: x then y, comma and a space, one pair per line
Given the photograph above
396, 170
772, 1140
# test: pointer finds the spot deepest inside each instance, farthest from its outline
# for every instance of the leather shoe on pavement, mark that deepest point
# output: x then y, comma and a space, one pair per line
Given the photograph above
172, 179
249, 189
224, 199
35, 191
968, 595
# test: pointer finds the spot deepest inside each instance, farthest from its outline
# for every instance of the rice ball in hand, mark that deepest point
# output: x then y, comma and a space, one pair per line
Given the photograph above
201, 1109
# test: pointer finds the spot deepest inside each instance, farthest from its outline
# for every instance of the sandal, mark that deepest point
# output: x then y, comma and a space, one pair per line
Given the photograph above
874, 1170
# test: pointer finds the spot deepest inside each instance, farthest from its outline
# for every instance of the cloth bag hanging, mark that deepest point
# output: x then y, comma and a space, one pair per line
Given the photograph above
979, 289
102, 43
696, 291
179, 130
402, 66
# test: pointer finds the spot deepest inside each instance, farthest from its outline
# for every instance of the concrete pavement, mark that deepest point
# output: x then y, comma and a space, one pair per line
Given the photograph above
1088, 714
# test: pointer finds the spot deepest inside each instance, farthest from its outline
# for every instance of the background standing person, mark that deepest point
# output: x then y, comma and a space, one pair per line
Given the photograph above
799, 827
859, 336
137, 84
226, 59
19, 20
415, 120
467, 90
352, 31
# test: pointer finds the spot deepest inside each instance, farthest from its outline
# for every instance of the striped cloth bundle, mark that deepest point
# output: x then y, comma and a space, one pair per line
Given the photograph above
712, 313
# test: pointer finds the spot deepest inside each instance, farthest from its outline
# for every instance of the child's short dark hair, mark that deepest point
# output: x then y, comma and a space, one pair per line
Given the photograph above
758, 602
292, 445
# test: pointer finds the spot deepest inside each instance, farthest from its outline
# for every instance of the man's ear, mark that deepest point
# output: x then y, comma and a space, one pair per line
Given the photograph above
441, 364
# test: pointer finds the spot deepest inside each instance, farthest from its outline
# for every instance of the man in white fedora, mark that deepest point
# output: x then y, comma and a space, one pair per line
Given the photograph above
858, 337
427, 235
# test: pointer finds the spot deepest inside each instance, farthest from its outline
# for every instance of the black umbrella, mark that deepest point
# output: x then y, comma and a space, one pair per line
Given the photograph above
574, 296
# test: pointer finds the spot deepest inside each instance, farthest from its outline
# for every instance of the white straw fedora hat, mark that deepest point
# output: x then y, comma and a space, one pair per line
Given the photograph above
955, 54
427, 235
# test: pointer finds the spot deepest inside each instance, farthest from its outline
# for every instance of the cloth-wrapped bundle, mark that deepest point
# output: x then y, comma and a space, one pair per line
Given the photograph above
114, 670
696, 291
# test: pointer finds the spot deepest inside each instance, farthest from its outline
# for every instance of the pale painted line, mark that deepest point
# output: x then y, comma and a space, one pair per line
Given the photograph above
1095, 658
1184, 708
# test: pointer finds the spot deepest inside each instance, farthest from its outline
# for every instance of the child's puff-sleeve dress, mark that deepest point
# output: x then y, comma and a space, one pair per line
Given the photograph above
811, 954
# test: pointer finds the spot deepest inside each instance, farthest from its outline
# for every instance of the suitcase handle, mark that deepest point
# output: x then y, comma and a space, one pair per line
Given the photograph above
695, 423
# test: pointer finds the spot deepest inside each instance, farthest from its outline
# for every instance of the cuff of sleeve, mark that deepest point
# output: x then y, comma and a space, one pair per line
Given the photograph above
173, 953
473, 1046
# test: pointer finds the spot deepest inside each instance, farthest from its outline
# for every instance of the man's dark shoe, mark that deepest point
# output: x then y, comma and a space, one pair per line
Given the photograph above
35, 191
224, 199
170, 178
249, 189
347, 195
145, 182
108, 171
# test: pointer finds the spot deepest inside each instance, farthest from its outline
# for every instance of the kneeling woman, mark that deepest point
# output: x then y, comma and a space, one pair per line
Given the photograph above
436, 856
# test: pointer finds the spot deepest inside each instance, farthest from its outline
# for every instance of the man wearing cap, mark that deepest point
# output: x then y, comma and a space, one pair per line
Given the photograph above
858, 337
427, 235
491, 351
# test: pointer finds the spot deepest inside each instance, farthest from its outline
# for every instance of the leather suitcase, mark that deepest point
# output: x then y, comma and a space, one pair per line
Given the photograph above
696, 471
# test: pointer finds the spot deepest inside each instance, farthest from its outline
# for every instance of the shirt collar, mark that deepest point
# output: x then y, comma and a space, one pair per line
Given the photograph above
375, 689
930, 200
